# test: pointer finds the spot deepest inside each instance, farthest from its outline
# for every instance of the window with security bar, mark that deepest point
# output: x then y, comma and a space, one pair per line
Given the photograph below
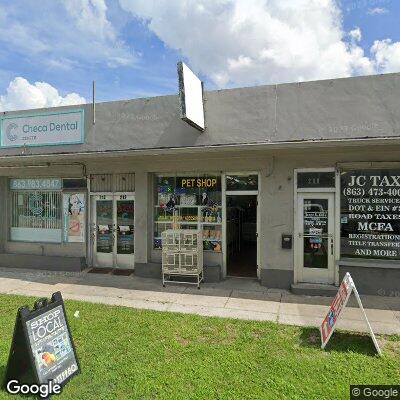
36, 216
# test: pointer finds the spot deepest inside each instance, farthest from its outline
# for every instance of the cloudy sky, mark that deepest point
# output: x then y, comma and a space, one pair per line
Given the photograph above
51, 50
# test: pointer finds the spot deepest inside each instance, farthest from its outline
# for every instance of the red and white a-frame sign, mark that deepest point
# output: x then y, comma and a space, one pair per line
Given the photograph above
338, 304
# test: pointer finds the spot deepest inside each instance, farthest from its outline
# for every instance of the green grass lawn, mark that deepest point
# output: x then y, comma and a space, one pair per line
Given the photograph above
137, 354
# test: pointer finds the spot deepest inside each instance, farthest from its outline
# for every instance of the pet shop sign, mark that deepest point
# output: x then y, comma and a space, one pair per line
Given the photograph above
197, 182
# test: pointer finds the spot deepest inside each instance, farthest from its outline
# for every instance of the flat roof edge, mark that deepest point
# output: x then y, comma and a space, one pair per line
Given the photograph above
325, 143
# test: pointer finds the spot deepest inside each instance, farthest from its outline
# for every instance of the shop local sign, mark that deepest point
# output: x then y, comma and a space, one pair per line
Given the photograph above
336, 309
43, 129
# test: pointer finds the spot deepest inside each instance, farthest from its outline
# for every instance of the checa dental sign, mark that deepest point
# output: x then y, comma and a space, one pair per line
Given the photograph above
42, 129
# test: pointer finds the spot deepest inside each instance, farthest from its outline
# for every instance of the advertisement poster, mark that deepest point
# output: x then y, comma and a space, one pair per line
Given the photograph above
74, 217
370, 214
51, 346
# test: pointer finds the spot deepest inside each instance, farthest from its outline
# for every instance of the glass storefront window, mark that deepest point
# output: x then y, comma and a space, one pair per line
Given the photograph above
36, 216
242, 182
370, 214
189, 202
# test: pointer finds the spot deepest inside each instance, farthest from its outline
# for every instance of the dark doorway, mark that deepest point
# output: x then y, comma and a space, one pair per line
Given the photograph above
241, 235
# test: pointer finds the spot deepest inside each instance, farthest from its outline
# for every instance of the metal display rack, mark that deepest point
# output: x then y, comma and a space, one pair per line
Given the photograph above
182, 256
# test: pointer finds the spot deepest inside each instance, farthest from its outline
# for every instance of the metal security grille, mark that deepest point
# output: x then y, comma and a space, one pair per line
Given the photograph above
125, 182
101, 183
112, 183
36, 209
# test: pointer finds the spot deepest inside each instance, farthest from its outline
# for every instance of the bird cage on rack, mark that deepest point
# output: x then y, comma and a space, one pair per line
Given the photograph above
182, 256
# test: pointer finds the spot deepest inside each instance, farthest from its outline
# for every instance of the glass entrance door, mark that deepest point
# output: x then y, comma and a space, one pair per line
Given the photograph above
125, 223
316, 237
113, 231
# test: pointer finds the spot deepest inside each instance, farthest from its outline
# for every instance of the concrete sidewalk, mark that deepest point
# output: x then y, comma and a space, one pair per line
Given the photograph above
232, 298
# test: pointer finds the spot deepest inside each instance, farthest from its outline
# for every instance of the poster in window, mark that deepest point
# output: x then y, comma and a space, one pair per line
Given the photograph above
74, 217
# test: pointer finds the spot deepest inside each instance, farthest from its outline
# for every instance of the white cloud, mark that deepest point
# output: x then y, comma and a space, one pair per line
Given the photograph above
377, 10
242, 42
355, 34
91, 16
21, 95
74, 30
387, 55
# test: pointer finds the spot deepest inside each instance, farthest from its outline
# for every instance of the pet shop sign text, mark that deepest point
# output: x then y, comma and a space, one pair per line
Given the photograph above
197, 182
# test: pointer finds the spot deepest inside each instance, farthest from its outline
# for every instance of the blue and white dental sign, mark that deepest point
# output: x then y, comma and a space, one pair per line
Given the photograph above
42, 129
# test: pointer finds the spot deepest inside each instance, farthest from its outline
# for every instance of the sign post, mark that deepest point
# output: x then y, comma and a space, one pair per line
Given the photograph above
42, 350
338, 304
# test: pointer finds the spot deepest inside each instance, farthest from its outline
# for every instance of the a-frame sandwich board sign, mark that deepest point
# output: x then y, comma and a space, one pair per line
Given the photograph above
42, 348
346, 288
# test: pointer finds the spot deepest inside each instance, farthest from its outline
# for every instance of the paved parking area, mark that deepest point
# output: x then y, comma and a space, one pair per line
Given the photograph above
232, 298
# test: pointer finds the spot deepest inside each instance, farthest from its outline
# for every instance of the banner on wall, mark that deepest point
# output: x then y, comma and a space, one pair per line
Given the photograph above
74, 217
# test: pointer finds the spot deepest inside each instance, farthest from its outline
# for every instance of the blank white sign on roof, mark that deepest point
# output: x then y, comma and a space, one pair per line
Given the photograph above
191, 97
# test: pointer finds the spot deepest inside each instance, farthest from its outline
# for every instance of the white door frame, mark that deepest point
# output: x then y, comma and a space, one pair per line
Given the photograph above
114, 197
296, 230
224, 211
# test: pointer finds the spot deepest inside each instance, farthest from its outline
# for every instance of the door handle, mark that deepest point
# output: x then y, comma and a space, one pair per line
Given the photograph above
331, 247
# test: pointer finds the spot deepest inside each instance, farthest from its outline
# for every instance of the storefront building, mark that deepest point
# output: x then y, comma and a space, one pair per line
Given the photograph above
291, 184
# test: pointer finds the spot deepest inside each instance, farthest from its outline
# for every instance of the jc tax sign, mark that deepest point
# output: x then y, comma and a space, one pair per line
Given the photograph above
42, 349
42, 129
335, 310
